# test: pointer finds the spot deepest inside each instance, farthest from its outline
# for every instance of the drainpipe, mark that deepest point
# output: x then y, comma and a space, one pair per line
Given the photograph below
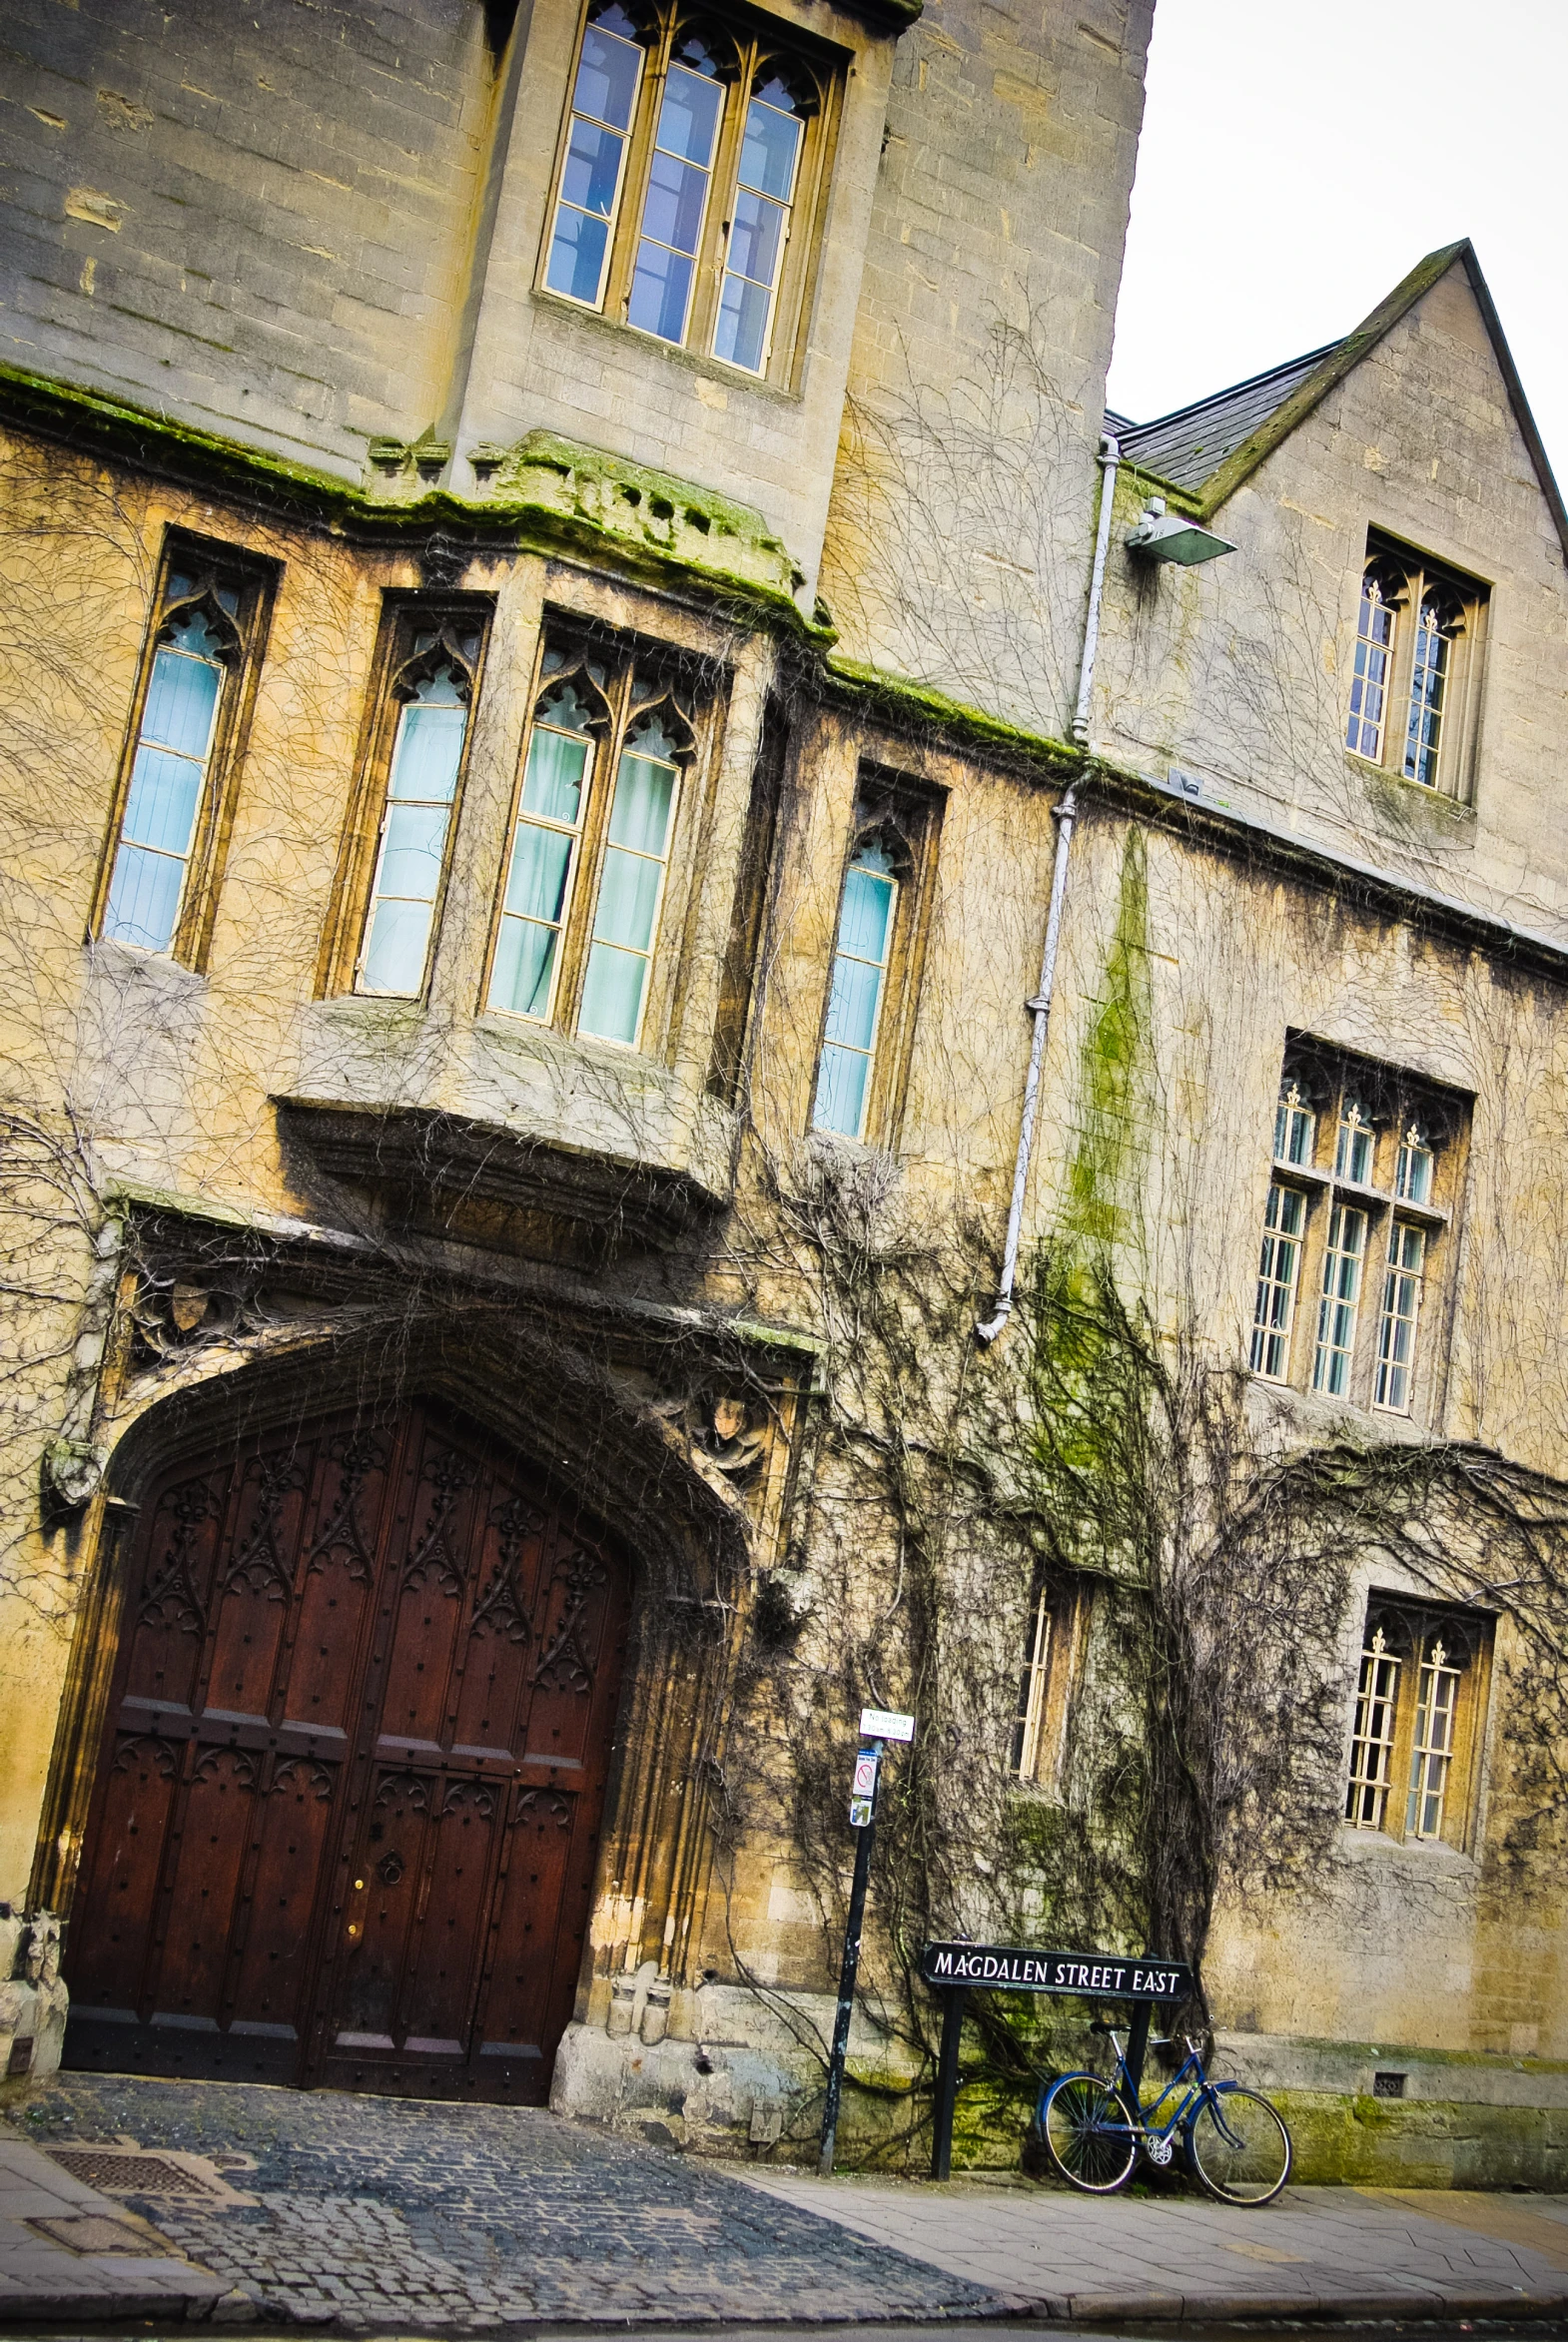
1065, 814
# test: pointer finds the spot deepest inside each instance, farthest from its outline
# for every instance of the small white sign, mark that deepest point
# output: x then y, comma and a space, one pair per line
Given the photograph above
859, 1812
884, 1724
866, 1774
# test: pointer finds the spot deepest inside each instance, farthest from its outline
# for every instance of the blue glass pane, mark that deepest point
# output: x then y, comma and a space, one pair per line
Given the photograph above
412, 854
143, 899
629, 900
740, 338
592, 168
536, 885
756, 238
577, 255
868, 909
394, 955
612, 994
841, 1091
428, 751
852, 1005
689, 117
660, 289
641, 815
161, 808
767, 154
673, 211
553, 784
607, 77
182, 699
524, 957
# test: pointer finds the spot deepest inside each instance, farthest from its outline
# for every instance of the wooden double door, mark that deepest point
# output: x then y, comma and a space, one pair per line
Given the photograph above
349, 1802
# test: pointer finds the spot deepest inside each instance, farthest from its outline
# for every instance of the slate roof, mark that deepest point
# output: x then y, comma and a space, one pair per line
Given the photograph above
1209, 450
1188, 447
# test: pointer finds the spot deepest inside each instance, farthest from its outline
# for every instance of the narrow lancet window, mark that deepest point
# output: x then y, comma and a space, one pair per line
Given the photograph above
1279, 1263
412, 852
1373, 653
676, 204
860, 967
759, 231
604, 106
545, 854
1435, 628
1402, 1307
1372, 1736
173, 750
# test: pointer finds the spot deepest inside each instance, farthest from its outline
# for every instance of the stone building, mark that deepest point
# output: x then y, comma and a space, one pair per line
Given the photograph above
571, 652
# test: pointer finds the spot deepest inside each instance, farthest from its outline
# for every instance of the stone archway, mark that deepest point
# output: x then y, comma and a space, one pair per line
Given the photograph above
347, 1806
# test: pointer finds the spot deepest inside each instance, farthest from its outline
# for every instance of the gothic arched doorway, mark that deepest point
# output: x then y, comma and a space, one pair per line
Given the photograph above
349, 1800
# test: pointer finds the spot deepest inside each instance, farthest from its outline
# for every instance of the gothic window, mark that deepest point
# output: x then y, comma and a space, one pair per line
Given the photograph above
593, 829
1365, 1163
691, 159
1417, 1720
1414, 688
861, 953
430, 695
160, 873
873, 985
394, 868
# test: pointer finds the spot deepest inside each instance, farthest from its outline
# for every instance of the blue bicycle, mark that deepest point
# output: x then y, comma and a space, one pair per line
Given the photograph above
1237, 2146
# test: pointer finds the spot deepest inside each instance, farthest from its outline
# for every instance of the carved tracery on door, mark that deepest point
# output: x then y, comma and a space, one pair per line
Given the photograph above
348, 1803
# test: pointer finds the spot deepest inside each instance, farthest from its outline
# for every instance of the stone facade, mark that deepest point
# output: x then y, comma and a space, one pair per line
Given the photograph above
277, 302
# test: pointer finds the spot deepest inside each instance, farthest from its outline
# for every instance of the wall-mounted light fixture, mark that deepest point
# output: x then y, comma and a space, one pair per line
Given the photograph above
1165, 537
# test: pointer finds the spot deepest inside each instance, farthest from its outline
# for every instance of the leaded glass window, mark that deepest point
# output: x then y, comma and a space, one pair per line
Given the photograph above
545, 845
1435, 626
759, 229
1401, 1308
1374, 642
1432, 1742
1296, 1127
173, 748
1344, 1253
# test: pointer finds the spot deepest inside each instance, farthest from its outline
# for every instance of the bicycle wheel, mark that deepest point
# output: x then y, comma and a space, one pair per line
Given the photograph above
1087, 2133
1238, 2147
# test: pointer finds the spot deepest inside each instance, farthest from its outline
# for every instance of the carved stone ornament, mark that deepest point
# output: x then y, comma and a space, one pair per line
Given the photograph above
73, 1471
731, 1432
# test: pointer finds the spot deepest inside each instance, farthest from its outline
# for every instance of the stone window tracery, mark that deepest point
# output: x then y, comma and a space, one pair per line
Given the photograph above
1417, 1722
1414, 687
594, 828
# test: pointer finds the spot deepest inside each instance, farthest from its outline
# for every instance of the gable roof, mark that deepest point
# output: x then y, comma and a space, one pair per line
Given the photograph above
1207, 451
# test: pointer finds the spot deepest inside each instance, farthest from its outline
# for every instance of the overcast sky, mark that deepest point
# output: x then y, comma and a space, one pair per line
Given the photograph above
1297, 159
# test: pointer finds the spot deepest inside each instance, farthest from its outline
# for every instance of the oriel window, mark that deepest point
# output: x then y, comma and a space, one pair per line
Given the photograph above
166, 840
596, 820
691, 167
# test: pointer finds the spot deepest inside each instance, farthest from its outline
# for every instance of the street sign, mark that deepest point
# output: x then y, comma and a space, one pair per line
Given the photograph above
886, 1724
957, 1970
866, 1772
861, 1810
1099, 1975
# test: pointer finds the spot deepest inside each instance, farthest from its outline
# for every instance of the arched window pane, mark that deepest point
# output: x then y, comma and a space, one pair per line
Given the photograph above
422, 783
1428, 689
1369, 684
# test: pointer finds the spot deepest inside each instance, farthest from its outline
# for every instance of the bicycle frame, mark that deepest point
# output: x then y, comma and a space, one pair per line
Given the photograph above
1143, 2125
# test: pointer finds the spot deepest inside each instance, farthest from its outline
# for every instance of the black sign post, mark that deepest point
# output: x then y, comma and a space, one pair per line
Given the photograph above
957, 1970
878, 1725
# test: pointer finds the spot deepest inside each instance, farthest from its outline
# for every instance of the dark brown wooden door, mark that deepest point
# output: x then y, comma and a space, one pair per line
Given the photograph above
348, 1803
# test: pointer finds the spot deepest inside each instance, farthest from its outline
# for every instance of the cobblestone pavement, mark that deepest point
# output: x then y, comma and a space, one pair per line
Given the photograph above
370, 2212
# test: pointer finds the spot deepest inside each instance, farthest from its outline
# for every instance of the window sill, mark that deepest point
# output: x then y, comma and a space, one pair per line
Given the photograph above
1452, 808
1367, 1845
692, 362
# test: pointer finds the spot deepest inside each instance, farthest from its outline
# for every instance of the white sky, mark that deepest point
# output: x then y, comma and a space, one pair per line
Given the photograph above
1299, 156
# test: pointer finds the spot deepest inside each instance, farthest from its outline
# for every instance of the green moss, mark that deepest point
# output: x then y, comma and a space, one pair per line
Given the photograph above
1112, 1134
905, 701
564, 498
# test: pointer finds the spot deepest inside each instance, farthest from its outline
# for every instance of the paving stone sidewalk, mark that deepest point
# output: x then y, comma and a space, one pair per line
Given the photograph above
1354, 2253
68, 2251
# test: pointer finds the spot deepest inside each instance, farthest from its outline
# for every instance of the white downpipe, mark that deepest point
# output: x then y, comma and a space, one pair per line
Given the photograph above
1065, 814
